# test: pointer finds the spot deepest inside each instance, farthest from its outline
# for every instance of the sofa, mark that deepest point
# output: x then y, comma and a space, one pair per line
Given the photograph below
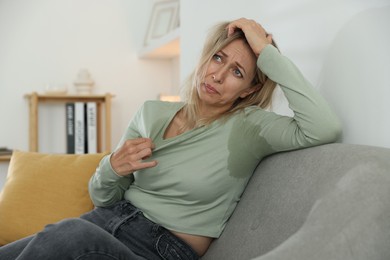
326, 202
320, 203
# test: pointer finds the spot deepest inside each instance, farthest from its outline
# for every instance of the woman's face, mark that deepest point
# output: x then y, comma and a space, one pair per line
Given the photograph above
228, 77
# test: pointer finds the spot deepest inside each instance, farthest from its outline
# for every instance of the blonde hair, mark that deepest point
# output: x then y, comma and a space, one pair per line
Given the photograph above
217, 40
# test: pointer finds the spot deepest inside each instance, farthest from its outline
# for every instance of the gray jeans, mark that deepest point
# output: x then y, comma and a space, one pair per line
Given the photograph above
117, 232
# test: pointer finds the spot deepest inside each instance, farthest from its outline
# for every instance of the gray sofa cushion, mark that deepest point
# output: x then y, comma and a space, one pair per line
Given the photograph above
325, 202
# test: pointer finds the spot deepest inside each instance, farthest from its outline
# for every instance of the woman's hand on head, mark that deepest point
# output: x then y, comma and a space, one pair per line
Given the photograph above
129, 157
255, 34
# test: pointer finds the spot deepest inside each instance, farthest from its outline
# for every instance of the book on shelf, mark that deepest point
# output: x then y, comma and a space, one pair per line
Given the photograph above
70, 127
91, 123
81, 127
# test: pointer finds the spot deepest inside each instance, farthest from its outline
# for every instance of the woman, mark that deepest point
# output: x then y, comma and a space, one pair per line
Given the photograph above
178, 173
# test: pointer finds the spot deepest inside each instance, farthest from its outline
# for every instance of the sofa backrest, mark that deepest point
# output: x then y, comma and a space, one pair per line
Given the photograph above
292, 196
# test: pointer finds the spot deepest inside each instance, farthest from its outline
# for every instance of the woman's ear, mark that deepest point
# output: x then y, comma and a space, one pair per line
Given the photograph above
250, 90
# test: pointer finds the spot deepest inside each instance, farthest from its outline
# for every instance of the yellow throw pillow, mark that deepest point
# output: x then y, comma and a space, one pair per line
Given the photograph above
44, 188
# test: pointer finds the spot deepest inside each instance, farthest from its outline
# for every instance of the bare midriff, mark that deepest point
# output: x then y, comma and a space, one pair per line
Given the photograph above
199, 244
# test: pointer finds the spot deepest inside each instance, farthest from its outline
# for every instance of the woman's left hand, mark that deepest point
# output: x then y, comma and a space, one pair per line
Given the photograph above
255, 34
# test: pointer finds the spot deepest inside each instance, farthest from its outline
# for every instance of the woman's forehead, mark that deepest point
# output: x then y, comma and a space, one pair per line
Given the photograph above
239, 51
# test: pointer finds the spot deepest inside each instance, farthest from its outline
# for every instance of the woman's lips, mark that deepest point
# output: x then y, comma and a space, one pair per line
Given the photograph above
210, 89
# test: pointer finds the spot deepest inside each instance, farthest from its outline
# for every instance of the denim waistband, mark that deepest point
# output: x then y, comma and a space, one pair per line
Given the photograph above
143, 236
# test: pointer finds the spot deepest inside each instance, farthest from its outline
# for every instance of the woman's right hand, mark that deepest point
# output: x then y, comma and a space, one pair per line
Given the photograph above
129, 157
255, 34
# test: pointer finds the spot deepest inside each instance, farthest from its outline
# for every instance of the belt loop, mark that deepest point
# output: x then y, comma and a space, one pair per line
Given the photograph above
132, 215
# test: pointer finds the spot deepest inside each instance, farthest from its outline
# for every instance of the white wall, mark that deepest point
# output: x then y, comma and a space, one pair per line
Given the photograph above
356, 79
341, 46
48, 41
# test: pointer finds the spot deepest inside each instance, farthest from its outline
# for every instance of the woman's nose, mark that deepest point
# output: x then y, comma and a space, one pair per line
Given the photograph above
215, 79
218, 76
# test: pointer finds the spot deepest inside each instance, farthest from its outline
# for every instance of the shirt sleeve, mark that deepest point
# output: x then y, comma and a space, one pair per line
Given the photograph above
313, 123
106, 187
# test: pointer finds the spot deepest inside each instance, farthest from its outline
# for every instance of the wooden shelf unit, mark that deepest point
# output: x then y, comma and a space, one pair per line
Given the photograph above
35, 99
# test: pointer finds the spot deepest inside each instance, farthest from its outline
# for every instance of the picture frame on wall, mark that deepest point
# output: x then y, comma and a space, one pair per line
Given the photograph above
164, 18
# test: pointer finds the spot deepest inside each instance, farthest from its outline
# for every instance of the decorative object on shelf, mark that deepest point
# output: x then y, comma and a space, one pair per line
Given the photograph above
56, 89
164, 18
84, 82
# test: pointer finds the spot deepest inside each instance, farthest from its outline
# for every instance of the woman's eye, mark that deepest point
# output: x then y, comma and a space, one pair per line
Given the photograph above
217, 58
237, 73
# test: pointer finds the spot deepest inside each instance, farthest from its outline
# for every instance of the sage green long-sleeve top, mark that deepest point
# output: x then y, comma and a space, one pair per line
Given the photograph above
202, 173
